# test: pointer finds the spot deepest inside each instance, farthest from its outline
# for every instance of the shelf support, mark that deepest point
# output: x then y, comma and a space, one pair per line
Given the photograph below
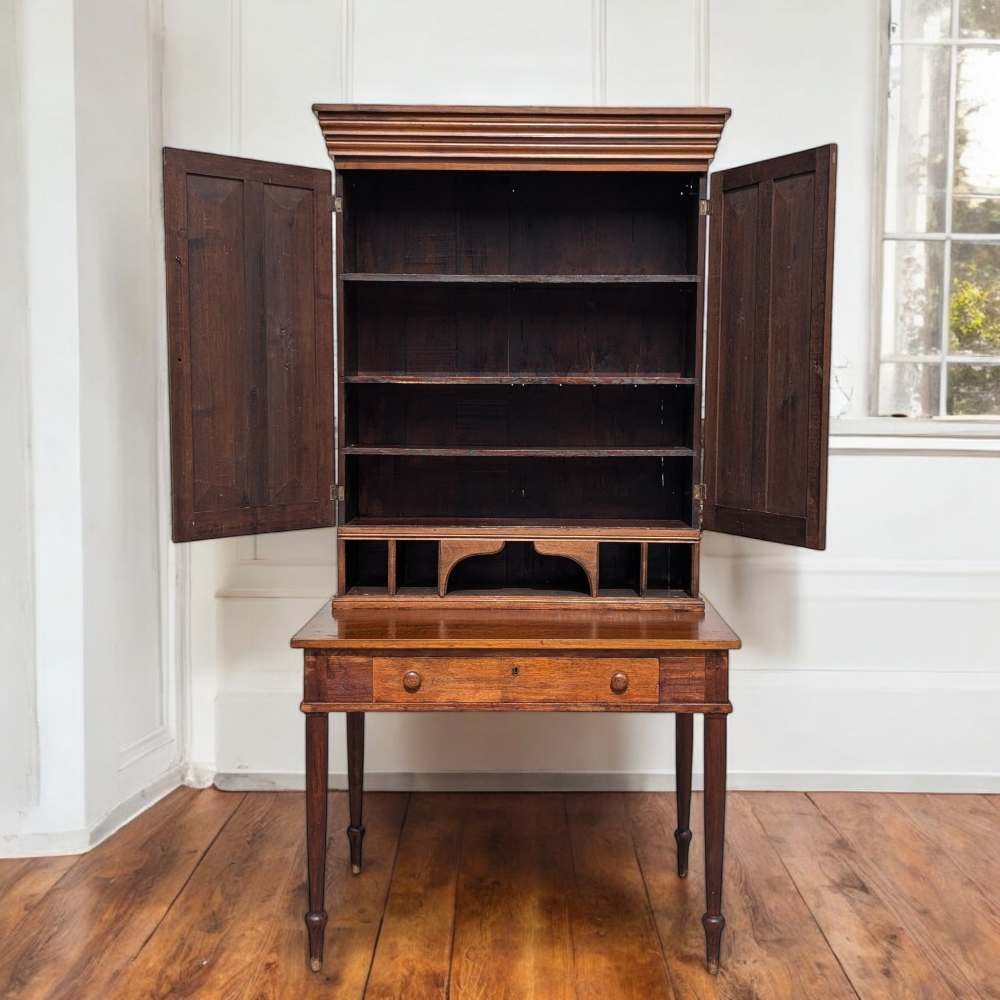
452, 551
584, 554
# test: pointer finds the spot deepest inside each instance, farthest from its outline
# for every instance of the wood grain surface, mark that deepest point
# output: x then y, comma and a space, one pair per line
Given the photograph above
511, 680
500, 628
513, 896
466, 137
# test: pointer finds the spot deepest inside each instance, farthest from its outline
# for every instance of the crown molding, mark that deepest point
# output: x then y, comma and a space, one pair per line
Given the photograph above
431, 137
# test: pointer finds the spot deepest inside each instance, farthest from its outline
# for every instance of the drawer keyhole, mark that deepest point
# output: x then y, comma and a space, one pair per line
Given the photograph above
515, 670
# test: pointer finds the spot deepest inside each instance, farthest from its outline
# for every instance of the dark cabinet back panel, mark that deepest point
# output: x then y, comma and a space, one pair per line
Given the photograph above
484, 416
393, 486
520, 223
502, 329
518, 565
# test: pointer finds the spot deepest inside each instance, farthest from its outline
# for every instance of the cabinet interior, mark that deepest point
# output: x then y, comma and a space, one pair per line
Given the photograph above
519, 349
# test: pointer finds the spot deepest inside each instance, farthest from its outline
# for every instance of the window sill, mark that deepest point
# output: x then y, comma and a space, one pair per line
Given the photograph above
895, 435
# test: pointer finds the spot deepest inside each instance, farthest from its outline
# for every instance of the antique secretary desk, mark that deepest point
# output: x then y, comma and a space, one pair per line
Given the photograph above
529, 438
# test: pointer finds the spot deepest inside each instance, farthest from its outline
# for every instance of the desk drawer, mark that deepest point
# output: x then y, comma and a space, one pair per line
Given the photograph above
515, 680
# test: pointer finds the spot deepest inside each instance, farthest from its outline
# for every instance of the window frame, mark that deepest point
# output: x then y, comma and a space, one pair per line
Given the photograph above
951, 425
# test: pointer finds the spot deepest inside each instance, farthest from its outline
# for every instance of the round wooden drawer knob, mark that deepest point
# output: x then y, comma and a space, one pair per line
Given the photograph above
411, 681
619, 682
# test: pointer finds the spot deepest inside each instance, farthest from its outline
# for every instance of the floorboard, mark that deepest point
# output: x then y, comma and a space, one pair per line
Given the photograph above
217, 926
960, 826
513, 934
880, 956
617, 951
23, 882
956, 924
81, 937
772, 946
413, 955
355, 905
501, 897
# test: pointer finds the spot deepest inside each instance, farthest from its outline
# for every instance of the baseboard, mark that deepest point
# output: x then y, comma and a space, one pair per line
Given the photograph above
615, 781
137, 803
33, 845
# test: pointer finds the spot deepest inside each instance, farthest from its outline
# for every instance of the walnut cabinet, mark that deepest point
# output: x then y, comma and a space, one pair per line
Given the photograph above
526, 406
563, 350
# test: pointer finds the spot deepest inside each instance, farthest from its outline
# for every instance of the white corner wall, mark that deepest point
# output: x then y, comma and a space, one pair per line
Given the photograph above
131, 698
18, 710
91, 731
873, 665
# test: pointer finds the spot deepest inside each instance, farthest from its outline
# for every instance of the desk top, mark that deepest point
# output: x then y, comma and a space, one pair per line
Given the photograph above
594, 629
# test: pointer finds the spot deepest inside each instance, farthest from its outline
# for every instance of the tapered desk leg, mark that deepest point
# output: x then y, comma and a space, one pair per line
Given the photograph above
317, 778
683, 740
355, 784
715, 833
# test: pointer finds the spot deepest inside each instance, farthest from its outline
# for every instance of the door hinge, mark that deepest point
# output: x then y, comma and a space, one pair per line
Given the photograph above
698, 495
336, 203
704, 206
336, 492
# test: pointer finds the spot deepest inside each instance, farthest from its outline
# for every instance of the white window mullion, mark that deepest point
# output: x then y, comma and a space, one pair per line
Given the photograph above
949, 186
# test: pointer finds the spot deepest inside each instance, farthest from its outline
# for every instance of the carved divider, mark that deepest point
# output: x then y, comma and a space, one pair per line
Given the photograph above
451, 551
584, 554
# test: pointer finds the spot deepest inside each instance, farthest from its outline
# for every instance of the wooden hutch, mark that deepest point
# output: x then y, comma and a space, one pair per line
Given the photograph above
536, 415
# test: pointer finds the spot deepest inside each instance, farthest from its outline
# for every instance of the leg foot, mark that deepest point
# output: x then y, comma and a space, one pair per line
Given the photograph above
316, 926
683, 838
355, 836
714, 927
683, 743
355, 785
715, 836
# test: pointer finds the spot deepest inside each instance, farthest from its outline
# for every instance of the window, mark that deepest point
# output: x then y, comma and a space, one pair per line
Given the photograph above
940, 316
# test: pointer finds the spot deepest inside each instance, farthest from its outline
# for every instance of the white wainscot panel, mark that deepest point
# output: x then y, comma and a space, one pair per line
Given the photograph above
305, 548
865, 730
290, 58
859, 614
293, 564
798, 75
199, 54
814, 730
519, 52
654, 52
253, 642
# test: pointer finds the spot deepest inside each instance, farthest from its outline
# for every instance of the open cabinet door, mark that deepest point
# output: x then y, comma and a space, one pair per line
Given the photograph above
250, 329
767, 406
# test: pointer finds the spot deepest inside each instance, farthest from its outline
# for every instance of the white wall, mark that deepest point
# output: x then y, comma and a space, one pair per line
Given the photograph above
90, 730
121, 351
19, 747
875, 664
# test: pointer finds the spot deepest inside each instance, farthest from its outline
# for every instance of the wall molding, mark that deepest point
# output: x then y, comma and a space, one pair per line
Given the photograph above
172, 561
236, 76
154, 740
702, 52
347, 51
30, 845
599, 51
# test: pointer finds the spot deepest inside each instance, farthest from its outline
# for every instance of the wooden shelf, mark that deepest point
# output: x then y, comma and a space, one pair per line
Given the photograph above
516, 598
514, 378
520, 279
419, 451
610, 529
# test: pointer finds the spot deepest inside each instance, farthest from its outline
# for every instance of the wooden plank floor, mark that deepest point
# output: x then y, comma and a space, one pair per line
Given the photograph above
498, 897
